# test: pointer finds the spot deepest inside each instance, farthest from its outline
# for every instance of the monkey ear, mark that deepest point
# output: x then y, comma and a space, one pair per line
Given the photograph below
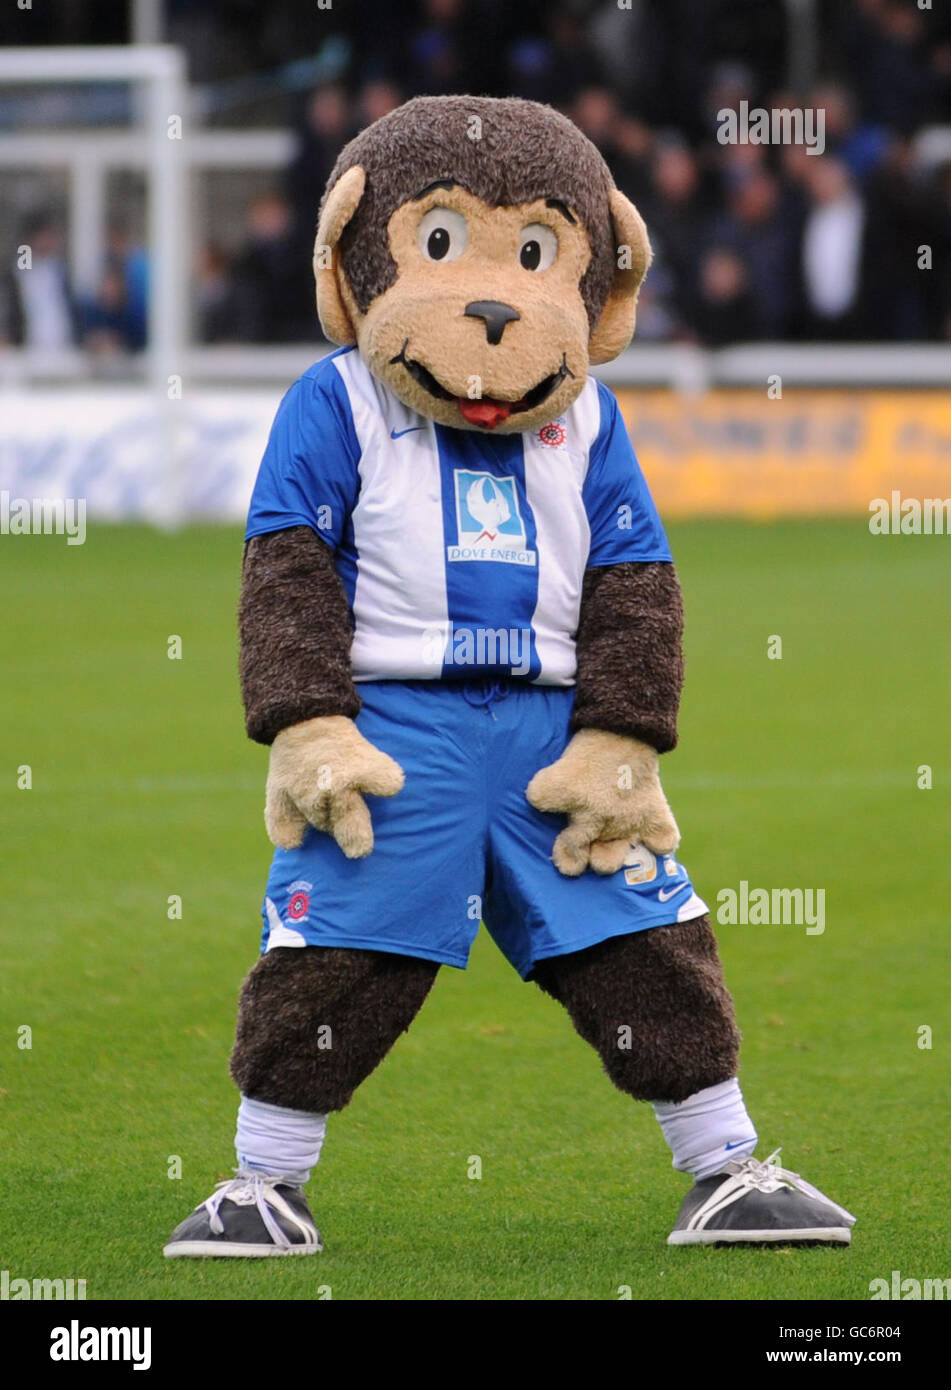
341, 204
615, 328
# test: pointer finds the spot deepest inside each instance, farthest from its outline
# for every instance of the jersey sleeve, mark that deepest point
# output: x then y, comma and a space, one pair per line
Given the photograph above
309, 473
621, 514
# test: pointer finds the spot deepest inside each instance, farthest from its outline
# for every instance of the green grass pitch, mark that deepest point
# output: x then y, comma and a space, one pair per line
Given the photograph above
793, 772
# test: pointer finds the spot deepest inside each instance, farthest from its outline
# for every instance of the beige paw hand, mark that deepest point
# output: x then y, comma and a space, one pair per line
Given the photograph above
609, 788
319, 773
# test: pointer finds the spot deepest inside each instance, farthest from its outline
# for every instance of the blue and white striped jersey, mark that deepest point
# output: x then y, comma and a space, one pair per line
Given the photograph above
462, 553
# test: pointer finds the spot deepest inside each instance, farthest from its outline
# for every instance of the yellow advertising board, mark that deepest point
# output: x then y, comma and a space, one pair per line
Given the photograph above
738, 453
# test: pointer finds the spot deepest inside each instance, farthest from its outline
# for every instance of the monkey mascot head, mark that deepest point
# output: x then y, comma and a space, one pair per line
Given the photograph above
478, 253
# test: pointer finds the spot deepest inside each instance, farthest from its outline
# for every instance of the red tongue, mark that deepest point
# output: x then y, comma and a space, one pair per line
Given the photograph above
485, 413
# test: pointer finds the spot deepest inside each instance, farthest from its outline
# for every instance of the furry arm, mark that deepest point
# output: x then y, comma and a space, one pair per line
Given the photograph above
630, 672
630, 652
299, 694
295, 629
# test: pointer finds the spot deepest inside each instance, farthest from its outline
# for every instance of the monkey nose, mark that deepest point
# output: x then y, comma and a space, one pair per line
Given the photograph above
496, 316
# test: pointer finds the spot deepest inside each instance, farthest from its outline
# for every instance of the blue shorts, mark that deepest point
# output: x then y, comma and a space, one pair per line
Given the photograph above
460, 844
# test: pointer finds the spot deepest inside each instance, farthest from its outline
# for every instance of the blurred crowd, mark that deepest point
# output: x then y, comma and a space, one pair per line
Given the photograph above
41, 310
751, 241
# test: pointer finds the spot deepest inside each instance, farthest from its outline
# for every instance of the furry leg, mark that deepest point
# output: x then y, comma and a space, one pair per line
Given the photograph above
315, 1021
655, 1007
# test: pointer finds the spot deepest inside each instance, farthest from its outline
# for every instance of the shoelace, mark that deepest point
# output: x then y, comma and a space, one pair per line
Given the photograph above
767, 1176
256, 1189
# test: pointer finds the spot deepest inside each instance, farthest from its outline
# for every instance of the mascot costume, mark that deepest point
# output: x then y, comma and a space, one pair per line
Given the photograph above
461, 638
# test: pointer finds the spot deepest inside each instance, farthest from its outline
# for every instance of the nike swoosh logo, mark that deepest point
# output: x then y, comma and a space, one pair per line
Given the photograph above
398, 434
664, 894
738, 1145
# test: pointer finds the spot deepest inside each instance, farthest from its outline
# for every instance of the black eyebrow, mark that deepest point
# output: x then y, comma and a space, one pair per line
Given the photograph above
559, 206
440, 183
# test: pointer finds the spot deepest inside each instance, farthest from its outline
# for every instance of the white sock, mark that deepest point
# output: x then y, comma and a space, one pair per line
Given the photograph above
282, 1143
707, 1129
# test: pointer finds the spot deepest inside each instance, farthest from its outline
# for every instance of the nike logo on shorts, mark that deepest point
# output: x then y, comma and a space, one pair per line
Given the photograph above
664, 893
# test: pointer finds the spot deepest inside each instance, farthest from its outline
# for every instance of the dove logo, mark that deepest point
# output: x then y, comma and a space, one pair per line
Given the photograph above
489, 521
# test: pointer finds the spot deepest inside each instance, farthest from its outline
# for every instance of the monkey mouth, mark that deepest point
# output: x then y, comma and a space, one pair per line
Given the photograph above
484, 411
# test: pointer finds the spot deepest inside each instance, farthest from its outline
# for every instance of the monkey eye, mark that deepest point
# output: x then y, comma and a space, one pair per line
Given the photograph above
443, 234
537, 246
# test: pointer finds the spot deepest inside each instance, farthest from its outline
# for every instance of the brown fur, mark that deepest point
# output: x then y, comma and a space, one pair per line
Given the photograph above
422, 319
367, 998
295, 634
526, 151
665, 984
630, 655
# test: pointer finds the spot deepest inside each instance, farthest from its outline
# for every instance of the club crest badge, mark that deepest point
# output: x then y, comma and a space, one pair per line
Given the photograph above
553, 434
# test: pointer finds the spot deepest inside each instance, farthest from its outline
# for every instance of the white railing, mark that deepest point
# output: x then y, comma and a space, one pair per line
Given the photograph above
681, 368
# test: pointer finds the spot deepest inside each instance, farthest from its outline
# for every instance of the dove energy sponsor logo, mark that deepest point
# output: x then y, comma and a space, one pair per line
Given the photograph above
489, 521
